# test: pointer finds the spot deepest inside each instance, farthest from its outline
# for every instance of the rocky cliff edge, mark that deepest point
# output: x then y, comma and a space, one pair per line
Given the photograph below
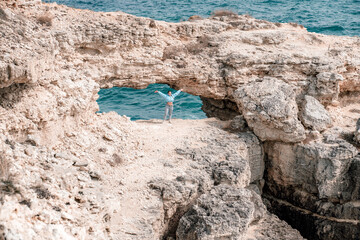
291, 98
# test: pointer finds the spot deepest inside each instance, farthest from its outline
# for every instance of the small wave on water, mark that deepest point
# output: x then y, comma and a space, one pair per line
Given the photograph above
328, 28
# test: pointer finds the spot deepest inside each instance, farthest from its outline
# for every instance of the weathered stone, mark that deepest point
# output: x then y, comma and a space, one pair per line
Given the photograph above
3, 15
255, 155
282, 163
357, 132
271, 112
314, 226
108, 137
94, 175
327, 164
225, 212
62, 155
53, 62
33, 140
317, 183
317, 168
327, 86
352, 192
177, 197
270, 227
29, 151
80, 163
238, 123
313, 114
232, 172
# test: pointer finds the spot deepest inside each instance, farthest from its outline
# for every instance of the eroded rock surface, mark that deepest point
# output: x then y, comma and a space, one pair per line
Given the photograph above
317, 177
313, 115
226, 212
70, 173
357, 132
270, 109
232, 213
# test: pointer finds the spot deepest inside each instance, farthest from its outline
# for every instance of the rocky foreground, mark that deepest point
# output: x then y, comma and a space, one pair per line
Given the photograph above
286, 143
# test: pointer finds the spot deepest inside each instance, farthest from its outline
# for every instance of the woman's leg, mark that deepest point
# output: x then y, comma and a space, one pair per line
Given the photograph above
171, 108
166, 111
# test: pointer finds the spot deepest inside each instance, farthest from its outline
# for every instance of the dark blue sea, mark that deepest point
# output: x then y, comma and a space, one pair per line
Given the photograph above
334, 17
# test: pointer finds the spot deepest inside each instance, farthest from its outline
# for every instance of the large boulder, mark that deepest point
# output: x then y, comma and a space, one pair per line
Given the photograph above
228, 212
270, 109
318, 168
314, 185
321, 167
224, 213
313, 114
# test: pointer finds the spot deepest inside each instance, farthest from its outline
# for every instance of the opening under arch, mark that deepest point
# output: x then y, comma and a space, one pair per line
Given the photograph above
144, 104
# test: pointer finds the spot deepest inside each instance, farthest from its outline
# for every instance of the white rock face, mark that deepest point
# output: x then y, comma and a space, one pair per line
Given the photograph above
270, 109
316, 168
314, 115
225, 212
72, 173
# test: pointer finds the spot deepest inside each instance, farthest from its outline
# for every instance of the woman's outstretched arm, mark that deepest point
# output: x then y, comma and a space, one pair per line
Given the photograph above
161, 94
177, 93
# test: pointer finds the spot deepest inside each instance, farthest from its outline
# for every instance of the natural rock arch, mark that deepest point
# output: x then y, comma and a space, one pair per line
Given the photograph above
239, 65
211, 57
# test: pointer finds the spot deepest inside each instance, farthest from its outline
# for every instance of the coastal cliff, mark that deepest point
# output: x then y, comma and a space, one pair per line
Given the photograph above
288, 102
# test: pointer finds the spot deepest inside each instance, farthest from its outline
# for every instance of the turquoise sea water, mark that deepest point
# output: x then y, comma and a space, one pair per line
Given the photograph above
145, 104
335, 17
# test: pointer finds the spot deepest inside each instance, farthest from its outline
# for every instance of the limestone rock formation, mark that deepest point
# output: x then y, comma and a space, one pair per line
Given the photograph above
179, 195
238, 123
271, 227
314, 115
327, 86
226, 212
221, 186
222, 109
319, 177
270, 109
357, 132
316, 168
255, 154
70, 173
